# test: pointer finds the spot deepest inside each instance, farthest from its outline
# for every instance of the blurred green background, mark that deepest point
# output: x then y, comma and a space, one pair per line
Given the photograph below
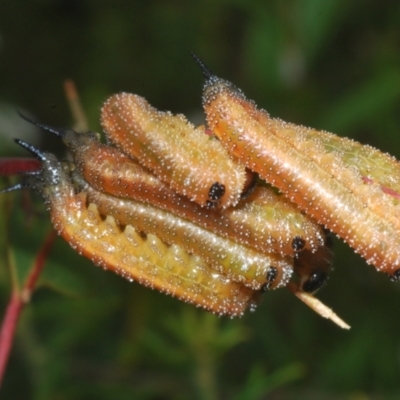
87, 334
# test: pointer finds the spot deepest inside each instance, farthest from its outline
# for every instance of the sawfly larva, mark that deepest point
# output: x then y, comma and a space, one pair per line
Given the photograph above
131, 254
350, 188
191, 162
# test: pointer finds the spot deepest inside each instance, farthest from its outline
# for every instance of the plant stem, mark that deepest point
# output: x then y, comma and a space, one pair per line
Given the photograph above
18, 300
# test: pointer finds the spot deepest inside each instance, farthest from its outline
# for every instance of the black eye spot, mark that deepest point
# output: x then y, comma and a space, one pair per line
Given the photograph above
316, 280
217, 190
298, 243
271, 276
395, 277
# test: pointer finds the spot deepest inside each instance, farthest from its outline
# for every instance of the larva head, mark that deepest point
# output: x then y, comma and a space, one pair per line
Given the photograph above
313, 268
315, 281
216, 192
272, 276
298, 243
213, 84
277, 276
223, 102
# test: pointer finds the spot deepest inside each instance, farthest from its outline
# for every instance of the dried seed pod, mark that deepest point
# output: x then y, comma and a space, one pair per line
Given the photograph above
191, 162
123, 250
350, 188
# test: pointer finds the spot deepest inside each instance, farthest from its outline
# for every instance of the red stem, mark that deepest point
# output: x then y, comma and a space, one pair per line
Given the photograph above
39, 263
8, 329
14, 166
17, 302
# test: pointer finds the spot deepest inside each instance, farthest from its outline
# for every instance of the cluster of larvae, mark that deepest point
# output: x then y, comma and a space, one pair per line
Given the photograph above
217, 216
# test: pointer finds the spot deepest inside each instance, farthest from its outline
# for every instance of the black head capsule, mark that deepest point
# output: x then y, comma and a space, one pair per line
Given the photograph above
272, 274
298, 243
217, 190
315, 282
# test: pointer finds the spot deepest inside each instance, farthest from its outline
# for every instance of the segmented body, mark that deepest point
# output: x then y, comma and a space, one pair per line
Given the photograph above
191, 162
144, 258
264, 220
256, 245
236, 261
320, 172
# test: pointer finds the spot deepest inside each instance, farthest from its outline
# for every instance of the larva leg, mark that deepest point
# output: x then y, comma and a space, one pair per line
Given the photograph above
191, 162
316, 171
147, 259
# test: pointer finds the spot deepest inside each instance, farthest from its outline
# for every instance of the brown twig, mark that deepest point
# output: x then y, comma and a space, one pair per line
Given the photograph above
317, 305
75, 106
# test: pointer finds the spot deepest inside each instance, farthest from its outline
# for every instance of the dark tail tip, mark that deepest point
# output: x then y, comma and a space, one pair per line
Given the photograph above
35, 151
204, 69
57, 132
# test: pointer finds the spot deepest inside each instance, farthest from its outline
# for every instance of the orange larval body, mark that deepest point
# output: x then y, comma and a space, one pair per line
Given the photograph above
226, 266
264, 220
191, 162
236, 261
145, 259
320, 172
